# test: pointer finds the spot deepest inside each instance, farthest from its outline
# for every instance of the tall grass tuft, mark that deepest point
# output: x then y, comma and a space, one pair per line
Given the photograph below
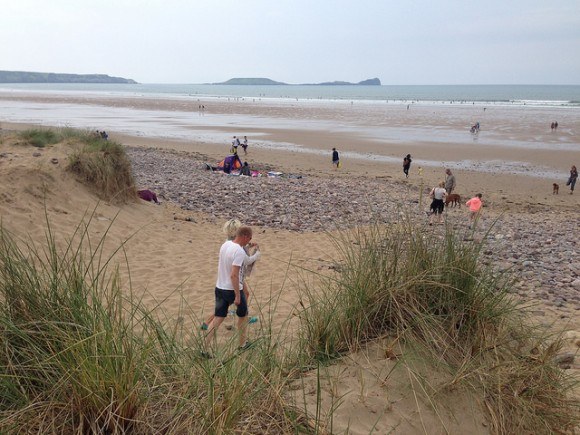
80, 354
40, 137
104, 165
432, 294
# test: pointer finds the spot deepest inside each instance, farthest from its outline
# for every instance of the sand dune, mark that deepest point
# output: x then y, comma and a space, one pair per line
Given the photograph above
172, 254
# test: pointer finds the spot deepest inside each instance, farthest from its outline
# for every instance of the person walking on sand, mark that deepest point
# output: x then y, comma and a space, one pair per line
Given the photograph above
572, 180
438, 194
407, 165
335, 158
245, 145
252, 250
474, 205
229, 287
449, 181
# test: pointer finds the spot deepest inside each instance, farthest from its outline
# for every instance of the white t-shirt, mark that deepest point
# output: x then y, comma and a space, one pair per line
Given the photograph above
231, 254
439, 193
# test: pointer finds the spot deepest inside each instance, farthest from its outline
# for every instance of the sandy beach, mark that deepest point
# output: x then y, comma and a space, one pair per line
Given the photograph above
172, 248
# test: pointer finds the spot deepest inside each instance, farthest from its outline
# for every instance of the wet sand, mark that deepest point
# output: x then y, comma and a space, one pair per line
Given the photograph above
513, 160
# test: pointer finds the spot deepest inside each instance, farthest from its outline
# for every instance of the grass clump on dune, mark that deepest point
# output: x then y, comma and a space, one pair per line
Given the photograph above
40, 137
104, 165
79, 354
432, 295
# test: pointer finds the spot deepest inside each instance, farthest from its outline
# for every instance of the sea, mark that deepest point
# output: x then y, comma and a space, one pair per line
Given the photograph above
562, 101
535, 95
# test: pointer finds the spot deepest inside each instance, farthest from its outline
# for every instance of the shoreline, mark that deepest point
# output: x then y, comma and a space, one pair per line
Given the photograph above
514, 160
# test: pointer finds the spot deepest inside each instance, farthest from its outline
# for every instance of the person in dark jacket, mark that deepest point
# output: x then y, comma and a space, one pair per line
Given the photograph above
407, 165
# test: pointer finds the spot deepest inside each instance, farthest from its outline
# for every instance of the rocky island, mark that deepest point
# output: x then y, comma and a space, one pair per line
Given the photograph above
259, 81
40, 77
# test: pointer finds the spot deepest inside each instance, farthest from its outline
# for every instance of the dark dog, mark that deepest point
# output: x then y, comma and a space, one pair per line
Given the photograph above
555, 189
454, 199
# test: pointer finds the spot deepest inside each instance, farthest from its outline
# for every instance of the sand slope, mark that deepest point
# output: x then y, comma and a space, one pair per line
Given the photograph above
171, 257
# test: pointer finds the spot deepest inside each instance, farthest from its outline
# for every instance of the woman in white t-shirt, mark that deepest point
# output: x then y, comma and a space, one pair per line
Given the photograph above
252, 250
438, 194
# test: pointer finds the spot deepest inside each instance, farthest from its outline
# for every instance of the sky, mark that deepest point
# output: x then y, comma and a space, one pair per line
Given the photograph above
402, 42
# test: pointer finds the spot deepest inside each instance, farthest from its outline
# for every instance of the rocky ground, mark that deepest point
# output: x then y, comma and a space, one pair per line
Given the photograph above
541, 247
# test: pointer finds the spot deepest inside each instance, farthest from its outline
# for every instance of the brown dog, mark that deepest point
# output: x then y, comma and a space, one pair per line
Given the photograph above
453, 198
555, 189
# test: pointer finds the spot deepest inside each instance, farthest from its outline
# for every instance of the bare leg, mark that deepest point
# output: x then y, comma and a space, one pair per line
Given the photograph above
211, 332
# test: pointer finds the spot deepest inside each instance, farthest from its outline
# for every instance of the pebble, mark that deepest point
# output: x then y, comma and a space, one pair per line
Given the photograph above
540, 248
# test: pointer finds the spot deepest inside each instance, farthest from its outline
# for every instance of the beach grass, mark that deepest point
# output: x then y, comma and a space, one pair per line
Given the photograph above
40, 138
103, 165
430, 293
80, 353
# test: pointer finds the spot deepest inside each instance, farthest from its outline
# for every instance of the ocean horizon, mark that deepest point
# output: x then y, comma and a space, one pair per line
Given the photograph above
513, 95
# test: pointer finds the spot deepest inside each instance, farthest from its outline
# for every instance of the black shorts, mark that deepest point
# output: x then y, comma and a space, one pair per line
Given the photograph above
225, 298
437, 206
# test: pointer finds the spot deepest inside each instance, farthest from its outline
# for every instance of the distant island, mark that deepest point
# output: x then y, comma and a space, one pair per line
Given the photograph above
37, 77
260, 81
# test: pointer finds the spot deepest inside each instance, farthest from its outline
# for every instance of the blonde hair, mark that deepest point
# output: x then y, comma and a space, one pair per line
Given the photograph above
442, 184
231, 227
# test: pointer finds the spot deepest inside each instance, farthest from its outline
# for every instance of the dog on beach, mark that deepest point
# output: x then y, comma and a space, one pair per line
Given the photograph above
555, 189
454, 199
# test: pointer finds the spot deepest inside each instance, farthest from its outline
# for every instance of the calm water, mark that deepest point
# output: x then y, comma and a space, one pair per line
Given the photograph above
537, 95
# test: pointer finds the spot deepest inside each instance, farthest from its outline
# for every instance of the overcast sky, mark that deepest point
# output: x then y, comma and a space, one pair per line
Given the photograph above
297, 41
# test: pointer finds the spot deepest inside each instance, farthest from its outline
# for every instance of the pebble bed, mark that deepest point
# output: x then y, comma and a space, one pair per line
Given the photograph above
541, 248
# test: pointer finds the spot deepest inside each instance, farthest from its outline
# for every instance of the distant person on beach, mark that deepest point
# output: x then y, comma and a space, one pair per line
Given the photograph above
449, 181
437, 206
552, 126
335, 158
230, 286
474, 205
556, 125
235, 145
407, 165
572, 180
246, 170
252, 250
245, 145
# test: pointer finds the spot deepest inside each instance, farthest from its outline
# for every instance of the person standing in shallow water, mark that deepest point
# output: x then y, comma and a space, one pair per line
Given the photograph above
407, 165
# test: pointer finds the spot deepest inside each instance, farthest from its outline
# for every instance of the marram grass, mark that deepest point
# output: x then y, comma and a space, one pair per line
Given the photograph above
432, 295
80, 354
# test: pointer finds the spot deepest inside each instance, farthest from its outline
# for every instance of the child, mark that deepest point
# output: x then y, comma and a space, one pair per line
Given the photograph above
474, 205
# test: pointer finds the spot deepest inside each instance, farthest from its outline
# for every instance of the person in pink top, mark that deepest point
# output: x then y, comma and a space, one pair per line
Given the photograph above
474, 205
